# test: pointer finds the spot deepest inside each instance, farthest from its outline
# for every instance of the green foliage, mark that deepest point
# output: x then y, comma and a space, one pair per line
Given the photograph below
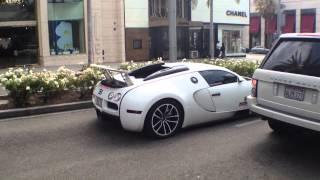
266, 8
242, 67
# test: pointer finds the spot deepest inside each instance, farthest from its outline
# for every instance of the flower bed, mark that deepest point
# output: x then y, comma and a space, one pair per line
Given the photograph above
28, 88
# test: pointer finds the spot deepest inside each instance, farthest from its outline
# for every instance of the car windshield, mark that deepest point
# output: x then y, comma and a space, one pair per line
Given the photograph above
295, 56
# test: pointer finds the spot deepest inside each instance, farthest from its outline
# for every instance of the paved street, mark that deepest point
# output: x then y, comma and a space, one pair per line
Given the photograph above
74, 145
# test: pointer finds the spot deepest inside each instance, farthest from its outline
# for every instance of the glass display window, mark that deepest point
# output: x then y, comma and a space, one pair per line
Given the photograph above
17, 10
18, 46
66, 27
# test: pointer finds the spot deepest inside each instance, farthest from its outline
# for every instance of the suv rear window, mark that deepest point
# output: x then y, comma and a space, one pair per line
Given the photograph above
298, 56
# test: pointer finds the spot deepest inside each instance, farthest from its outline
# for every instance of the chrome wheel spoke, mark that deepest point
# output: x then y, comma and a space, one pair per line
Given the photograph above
164, 128
175, 122
159, 111
167, 109
156, 116
170, 111
166, 123
159, 127
173, 116
159, 122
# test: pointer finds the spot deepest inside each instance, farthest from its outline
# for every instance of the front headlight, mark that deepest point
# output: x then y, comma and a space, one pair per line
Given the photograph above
111, 96
117, 97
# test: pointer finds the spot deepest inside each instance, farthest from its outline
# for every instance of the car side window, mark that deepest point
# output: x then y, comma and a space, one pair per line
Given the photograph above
218, 77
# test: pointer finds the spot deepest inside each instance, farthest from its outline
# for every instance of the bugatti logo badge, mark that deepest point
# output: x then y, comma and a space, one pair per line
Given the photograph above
194, 80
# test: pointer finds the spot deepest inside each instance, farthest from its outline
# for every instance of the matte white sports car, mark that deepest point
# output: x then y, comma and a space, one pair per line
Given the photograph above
160, 99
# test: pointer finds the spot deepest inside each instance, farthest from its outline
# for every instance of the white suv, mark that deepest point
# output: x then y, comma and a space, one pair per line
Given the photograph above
286, 88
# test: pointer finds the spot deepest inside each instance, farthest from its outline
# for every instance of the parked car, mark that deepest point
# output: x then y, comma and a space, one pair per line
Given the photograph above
259, 50
162, 98
286, 87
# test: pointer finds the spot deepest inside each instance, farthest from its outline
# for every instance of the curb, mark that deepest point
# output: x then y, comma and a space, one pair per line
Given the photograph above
12, 113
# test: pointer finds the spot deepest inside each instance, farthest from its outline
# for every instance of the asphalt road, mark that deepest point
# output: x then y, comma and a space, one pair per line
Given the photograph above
74, 145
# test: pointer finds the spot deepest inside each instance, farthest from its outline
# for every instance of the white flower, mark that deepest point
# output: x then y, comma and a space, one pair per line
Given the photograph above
28, 88
4, 80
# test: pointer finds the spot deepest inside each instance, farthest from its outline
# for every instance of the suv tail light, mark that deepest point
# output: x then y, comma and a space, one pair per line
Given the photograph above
254, 91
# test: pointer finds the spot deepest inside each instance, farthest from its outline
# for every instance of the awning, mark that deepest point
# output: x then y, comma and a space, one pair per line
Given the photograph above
255, 24
290, 24
307, 23
271, 25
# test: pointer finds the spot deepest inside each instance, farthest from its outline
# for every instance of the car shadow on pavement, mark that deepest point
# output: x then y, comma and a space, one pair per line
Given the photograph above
295, 155
110, 132
219, 123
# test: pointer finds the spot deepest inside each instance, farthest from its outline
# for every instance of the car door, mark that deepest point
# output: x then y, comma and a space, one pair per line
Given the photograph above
227, 92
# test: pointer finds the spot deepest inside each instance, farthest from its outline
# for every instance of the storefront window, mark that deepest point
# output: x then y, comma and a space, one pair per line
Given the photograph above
66, 27
18, 46
17, 10
232, 41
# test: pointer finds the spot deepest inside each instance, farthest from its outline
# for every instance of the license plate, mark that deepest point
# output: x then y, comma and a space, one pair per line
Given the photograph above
294, 93
99, 101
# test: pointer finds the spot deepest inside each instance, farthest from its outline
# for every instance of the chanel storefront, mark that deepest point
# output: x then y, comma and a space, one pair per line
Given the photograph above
231, 22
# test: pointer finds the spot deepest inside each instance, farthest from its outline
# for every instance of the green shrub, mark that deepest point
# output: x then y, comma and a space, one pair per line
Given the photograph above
242, 67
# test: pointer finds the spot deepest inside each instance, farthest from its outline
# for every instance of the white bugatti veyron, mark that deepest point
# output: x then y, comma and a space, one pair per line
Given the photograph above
162, 98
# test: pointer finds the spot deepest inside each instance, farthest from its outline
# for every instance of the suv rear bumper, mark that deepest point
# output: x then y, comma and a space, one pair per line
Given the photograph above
272, 114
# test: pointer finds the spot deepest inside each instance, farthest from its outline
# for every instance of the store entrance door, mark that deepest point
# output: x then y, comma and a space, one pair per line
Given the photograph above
232, 42
18, 46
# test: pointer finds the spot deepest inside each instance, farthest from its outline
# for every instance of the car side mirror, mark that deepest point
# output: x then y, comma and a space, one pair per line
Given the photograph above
240, 80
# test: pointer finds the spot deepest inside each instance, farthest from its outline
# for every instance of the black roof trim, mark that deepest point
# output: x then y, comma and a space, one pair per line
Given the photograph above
147, 70
168, 71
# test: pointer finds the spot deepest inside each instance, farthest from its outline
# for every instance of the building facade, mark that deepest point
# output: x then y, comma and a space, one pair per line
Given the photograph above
54, 32
298, 16
146, 24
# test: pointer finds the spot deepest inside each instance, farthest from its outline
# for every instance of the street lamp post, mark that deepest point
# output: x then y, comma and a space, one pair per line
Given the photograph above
172, 15
212, 45
279, 19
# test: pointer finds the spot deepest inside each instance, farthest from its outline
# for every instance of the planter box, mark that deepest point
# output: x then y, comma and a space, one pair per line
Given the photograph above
39, 99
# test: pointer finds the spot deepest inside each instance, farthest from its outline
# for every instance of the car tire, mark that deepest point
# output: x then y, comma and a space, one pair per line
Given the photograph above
164, 119
278, 126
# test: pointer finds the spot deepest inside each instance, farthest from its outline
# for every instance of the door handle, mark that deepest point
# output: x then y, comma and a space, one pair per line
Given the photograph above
216, 94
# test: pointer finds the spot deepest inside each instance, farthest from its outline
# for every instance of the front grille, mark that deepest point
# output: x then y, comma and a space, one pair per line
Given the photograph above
112, 106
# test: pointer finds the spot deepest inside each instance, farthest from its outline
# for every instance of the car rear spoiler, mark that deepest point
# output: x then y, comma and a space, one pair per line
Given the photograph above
109, 73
